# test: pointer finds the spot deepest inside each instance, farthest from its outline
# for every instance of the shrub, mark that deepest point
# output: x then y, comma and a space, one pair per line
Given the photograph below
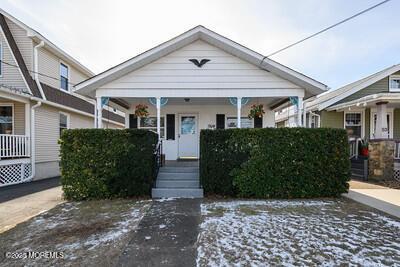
99, 163
275, 162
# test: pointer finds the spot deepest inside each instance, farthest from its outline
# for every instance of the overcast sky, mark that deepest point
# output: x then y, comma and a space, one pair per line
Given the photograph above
102, 33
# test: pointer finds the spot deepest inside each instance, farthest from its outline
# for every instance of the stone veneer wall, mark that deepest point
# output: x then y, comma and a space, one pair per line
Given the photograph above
381, 160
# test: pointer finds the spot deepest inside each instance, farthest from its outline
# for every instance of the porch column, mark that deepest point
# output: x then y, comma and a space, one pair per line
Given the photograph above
239, 111
304, 115
158, 105
99, 117
382, 130
299, 110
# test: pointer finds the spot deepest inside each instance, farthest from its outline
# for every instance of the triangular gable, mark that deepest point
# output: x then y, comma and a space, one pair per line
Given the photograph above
311, 86
341, 93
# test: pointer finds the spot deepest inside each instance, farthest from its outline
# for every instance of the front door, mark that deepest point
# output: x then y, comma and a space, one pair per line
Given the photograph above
188, 136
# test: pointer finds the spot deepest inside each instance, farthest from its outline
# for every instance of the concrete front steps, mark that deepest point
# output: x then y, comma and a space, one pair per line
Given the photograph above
179, 182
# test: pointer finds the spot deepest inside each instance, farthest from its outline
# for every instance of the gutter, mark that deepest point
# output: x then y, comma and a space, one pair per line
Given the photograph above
36, 67
33, 143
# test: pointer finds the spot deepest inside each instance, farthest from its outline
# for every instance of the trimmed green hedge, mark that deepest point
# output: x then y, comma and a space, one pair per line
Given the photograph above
275, 162
100, 163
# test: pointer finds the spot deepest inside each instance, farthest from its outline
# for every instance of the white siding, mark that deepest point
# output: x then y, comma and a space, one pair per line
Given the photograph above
79, 121
223, 71
47, 134
11, 75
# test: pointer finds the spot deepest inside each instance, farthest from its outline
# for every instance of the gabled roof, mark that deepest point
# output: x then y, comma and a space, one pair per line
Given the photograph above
312, 86
48, 44
331, 97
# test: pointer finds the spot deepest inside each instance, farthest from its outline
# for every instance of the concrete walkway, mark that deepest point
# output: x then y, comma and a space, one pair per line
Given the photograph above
166, 236
25, 201
379, 197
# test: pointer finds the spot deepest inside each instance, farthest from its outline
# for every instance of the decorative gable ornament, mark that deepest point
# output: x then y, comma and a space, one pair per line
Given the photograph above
199, 63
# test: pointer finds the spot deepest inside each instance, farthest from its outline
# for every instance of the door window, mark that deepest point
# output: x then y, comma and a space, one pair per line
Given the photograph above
188, 125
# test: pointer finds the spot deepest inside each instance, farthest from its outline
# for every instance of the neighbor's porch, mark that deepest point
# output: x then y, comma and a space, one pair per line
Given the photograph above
15, 143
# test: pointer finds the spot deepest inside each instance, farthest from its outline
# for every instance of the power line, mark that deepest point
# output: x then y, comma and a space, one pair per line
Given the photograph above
35, 72
327, 28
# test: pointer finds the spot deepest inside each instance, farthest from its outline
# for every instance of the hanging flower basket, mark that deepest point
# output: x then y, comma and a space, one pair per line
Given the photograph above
141, 111
256, 111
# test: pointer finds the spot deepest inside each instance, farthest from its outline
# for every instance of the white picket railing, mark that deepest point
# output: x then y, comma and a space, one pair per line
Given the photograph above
14, 146
397, 149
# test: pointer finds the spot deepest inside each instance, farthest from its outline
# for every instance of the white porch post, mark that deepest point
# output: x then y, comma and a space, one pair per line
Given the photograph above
299, 110
382, 128
239, 111
305, 115
158, 104
99, 114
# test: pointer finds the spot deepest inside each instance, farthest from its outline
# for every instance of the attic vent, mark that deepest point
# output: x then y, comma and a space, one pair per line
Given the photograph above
201, 63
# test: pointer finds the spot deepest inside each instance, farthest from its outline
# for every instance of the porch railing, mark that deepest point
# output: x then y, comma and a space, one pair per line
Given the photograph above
354, 145
14, 146
157, 158
397, 149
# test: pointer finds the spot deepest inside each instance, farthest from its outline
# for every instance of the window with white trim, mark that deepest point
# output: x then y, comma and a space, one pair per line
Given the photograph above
353, 123
314, 121
150, 123
64, 122
64, 74
6, 119
245, 122
394, 83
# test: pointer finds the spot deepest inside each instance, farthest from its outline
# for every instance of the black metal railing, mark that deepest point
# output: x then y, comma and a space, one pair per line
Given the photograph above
157, 158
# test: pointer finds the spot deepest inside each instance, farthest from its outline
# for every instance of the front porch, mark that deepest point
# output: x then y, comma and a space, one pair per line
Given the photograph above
179, 120
15, 140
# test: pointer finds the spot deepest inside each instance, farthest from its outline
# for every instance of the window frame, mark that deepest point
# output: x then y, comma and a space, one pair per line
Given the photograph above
362, 121
241, 120
68, 78
393, 77
12, 114
154, 129
59, 121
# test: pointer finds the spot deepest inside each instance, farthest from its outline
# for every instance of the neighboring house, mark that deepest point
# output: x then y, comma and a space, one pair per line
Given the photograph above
37, 102
368, 108
198, 80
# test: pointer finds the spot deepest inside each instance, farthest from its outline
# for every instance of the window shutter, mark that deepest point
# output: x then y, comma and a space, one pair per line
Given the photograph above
258, 122
220, 121
133, 121
170, 126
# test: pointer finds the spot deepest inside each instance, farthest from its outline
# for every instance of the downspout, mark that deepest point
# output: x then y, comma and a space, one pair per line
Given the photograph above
36, 67
33, 143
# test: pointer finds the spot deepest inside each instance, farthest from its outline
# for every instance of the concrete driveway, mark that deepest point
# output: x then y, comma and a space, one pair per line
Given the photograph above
20, 202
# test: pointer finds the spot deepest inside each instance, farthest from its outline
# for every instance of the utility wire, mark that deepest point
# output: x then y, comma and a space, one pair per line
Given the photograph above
35, 72
327, 28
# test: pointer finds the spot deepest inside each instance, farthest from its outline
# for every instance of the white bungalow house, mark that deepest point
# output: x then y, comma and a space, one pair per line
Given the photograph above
198, 80
37, 102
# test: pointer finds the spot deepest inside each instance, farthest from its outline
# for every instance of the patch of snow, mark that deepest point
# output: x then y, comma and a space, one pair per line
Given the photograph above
316, 232
162, 226
166, 199
147, 237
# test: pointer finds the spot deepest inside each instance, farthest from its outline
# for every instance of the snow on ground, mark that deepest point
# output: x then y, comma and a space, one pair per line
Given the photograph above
321, 232
87, 233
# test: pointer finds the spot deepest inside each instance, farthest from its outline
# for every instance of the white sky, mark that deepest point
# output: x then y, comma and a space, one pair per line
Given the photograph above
101, 33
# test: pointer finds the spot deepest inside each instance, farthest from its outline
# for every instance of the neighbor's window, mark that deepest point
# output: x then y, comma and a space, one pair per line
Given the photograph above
64, 76
314, 121
245, 122
394, 83
64, 119
6, 119
353, 124
150, 123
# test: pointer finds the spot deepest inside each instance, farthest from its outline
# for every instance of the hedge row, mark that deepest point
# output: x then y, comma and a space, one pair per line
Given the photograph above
275, 162
99, 163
